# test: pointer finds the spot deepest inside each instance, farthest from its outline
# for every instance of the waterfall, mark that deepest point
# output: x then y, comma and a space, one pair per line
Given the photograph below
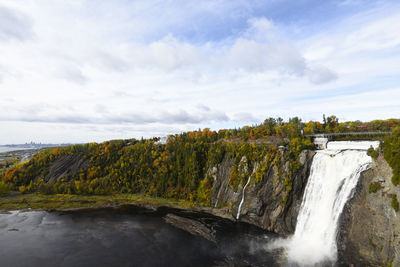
333, 177
241, 202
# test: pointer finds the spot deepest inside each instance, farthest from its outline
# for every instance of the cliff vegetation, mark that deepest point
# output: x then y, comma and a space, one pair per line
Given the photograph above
180, 168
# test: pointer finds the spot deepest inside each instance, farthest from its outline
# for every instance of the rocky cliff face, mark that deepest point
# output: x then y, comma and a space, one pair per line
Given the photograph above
369, 230
66, 167
268, 203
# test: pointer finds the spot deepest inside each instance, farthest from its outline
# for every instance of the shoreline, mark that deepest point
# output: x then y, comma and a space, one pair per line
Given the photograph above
65, 202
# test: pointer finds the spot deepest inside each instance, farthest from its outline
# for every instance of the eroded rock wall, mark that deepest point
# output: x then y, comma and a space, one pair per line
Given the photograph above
66, 167
369, 231
268, 203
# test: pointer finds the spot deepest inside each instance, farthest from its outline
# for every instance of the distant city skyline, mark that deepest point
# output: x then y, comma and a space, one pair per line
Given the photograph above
88, 71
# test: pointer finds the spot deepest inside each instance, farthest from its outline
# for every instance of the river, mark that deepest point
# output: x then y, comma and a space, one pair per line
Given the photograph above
127, 236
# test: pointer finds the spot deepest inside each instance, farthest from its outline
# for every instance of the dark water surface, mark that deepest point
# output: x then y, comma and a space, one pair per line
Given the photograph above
127, 236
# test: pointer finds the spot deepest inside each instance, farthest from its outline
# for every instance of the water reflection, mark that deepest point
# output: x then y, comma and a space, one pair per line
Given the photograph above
128, 236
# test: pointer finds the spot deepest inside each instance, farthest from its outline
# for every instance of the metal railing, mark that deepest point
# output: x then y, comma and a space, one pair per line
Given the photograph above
348, 133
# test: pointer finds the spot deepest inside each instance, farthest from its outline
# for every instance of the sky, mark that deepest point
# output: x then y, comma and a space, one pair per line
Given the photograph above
75, 71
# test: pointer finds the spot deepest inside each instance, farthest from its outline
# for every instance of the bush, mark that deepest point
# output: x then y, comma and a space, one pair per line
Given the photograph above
46, 188
4, 189
396, 178
374, 187
391, 152
395, 203
22, 189
372, 153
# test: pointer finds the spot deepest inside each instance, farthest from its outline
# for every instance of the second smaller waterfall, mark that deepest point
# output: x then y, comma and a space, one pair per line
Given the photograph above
241, 202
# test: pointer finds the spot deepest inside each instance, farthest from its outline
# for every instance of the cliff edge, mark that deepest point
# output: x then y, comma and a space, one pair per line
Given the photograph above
272, 203
369, 228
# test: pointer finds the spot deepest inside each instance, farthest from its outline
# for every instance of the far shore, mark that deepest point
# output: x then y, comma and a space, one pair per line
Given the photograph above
67, 202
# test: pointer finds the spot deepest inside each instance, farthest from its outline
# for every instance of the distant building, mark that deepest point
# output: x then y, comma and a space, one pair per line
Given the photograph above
162, 141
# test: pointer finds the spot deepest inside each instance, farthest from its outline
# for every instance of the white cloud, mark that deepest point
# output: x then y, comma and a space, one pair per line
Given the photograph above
72, 74
14, 25
367, 32
261, 29
384, 104
106, 65
320, 74
376, 35
101, 114
249, 55
245, 117
167, 54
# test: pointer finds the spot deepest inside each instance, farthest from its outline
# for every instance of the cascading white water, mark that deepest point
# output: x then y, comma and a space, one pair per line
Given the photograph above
334, 175
241, 202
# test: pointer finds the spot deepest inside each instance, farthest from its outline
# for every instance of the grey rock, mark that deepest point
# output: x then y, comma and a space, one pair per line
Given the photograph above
263, 205
66, 167
191, 226
369, 229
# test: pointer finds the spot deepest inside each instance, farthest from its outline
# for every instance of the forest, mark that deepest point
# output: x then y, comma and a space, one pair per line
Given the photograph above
179, 168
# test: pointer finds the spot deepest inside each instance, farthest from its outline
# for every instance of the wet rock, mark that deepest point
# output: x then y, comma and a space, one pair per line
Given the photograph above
192, 226
5, 212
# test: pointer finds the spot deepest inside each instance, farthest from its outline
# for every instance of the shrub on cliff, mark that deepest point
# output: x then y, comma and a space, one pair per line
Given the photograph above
372, 153
391, 152
4, 189
374, 187
395, 203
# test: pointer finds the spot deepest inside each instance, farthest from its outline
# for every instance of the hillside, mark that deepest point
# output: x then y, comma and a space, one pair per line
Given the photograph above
191, 166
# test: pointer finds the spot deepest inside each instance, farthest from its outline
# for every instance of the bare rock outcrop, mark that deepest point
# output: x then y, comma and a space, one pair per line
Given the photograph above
192, 226
266, 204
66, 166
369, 230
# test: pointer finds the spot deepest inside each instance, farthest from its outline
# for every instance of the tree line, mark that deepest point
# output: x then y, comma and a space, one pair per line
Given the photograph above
180, 168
